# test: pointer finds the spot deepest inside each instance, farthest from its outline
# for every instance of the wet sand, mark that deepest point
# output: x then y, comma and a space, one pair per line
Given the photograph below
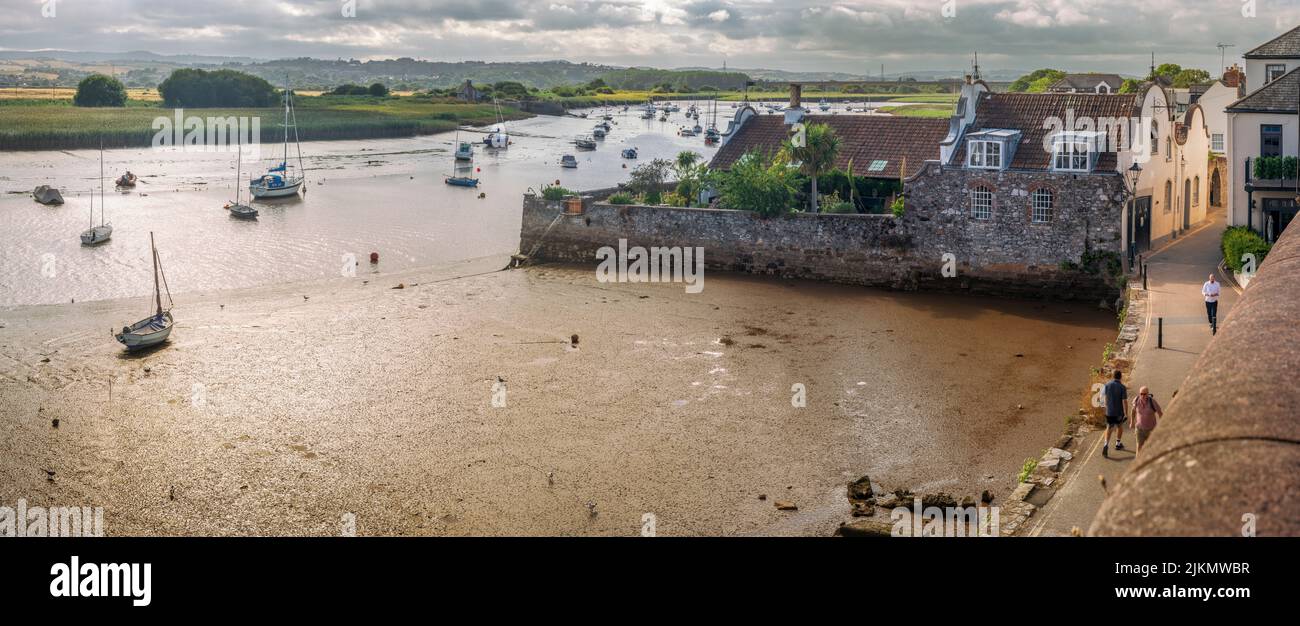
278, 414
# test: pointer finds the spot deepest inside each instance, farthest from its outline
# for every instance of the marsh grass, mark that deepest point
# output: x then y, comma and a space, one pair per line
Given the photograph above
54, 125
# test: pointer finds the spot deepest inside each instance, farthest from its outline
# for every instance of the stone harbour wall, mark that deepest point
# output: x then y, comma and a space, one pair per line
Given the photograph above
995, 258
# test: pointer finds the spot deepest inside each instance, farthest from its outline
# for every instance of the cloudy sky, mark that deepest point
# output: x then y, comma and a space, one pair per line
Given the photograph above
852, 36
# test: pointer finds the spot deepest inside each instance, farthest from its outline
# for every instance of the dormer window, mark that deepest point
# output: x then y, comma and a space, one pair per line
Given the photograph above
985, 154
991, 149
1074, 152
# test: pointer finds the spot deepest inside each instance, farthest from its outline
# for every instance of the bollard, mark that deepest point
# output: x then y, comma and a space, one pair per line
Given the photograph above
1144, 276
1160, 332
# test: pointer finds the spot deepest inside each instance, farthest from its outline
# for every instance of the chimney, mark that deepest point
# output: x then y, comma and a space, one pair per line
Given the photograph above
796, 96
1234, 77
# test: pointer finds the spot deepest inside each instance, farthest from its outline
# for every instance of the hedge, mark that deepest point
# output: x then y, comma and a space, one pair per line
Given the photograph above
1238, 241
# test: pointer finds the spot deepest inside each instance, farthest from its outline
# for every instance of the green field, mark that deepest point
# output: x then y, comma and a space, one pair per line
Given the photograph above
636, 97
56, 124
919, 110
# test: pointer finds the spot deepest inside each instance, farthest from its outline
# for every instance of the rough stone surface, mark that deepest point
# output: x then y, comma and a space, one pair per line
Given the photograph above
872, 250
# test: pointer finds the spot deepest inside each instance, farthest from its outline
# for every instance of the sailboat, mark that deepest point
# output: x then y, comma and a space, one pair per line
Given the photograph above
464, 149
282, 180
96, 235
154, 329
456, 179
497, 137
711, 135
238, 209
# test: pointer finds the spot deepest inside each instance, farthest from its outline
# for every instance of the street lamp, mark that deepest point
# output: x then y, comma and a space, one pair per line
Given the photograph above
1130, 185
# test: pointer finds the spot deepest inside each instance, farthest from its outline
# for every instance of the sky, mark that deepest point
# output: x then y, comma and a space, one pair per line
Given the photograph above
854, 36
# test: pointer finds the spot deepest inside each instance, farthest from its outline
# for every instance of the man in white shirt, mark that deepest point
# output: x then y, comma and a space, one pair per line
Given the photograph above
1211, 292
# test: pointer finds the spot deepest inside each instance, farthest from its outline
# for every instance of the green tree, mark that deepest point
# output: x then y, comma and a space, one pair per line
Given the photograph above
647, 180
689, 171
753, 183
98, 90
378, 89
221, 88
815, 154
1131, 85
1040, 79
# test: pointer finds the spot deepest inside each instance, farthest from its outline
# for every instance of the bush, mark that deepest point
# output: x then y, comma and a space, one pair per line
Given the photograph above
98, 90
768, 187
673, 199
1275, 168
220, 88
378, 89
350, 90
898, 206
622, 198
555, 192
1238, 241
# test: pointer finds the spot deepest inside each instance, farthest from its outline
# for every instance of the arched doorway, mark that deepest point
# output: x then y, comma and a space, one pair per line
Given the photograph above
1215, 200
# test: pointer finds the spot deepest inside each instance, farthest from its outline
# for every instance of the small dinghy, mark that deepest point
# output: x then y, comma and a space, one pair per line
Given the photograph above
154, 329
461, 181
585, 143
686, 132
568, 161
629, 153
126, 180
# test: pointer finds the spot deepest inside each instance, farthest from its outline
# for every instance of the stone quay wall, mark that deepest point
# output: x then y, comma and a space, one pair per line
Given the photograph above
935, 246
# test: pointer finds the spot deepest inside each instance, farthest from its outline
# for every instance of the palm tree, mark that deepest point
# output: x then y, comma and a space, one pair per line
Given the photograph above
688, 174
816, 155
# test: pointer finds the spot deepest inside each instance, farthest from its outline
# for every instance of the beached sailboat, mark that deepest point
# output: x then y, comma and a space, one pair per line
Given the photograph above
154, 329
96, 235
282, 180
239, 209
497, 137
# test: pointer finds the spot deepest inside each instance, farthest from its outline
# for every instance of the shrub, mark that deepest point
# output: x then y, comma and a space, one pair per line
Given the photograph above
1238, 241
98, 90
555, 192
1027, 469
1275, 168
673, 199
622, 198
768, 187
378, 89
898, 206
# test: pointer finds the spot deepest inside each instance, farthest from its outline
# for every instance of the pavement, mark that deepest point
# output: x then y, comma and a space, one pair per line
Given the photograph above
1175, 274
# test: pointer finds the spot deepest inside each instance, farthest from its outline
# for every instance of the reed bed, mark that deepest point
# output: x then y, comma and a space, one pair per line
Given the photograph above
49, 125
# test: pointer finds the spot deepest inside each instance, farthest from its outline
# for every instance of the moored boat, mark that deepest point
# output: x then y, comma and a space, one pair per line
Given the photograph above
568, 161
284, 179
96, 235
156, 328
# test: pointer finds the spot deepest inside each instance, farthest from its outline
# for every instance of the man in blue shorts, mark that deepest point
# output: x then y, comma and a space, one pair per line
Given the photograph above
1116, 413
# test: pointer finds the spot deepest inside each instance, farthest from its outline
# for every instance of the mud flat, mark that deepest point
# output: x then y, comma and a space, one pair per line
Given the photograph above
280, 410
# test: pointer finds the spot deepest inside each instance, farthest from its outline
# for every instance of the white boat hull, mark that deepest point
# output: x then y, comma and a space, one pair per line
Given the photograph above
96, 235
262, 191
147, 332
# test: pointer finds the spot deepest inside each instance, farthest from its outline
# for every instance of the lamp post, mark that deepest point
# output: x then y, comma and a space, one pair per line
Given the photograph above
1131, 176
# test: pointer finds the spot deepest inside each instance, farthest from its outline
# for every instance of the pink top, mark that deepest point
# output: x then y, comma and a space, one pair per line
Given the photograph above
1145, 411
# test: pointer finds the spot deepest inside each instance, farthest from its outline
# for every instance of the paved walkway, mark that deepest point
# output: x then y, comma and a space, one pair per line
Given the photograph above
1174, 277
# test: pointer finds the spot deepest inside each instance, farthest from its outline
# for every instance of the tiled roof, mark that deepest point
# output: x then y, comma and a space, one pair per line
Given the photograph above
864, 139
1286, 45
1088, 81
1278, 96
1026, 112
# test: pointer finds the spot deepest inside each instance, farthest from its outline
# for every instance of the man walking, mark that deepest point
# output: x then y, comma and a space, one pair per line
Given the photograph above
1211, 292
1145, 412
1116, 413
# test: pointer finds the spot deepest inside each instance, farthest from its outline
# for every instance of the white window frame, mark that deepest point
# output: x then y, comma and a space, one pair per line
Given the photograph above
1216, 142
1042, 206
981, 202
1072, 153
1270, 68
979, 155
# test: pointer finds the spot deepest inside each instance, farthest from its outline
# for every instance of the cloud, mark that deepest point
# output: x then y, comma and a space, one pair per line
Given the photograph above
844, 35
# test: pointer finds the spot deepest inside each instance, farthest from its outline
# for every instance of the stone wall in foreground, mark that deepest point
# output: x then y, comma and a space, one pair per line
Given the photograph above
908, 253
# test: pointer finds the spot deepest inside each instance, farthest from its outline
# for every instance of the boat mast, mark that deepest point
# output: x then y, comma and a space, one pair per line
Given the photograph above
156, 293
102, 218
302, 173
239, 157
